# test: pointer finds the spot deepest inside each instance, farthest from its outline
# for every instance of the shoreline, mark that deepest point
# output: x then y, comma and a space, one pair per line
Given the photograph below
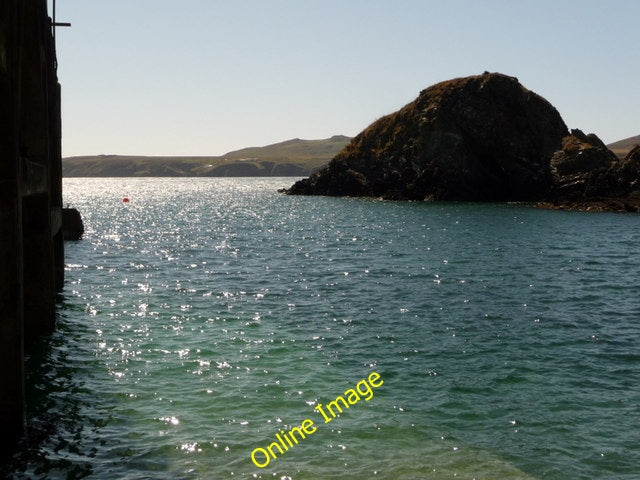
598, 204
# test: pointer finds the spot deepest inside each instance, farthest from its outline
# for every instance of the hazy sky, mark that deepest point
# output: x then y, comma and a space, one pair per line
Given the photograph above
203, 77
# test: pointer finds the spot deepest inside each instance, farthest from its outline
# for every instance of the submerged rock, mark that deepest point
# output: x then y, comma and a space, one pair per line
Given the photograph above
479, 138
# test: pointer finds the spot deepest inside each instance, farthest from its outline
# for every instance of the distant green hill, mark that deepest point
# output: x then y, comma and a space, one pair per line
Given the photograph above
295, 157
622, 147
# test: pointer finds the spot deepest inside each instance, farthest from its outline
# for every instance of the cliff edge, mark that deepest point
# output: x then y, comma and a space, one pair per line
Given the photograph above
478, 138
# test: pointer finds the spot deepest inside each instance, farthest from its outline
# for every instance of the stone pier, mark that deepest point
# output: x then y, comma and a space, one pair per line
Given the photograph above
31, 242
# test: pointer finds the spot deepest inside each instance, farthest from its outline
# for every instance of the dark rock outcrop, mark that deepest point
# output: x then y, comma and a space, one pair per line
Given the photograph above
627, 172
72, 225
580, 168
588, 176
479, 138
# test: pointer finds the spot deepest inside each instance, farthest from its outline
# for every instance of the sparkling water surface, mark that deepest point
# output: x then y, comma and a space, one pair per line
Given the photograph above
206, 315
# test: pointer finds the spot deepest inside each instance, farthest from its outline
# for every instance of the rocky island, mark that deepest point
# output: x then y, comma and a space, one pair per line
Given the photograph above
480, 138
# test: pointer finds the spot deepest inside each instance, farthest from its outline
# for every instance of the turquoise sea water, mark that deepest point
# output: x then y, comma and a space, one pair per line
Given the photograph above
206, 315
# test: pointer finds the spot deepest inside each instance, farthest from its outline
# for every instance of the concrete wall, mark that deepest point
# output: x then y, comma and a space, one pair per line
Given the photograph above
31, 246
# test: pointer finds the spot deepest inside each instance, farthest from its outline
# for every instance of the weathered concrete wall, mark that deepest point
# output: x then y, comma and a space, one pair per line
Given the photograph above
31, 244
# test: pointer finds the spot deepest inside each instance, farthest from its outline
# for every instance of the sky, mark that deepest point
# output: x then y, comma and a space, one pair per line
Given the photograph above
204, 77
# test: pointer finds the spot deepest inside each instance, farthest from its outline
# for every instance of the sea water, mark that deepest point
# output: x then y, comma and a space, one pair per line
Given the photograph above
205, 316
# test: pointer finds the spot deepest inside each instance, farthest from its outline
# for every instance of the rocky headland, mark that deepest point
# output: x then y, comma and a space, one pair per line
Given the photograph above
480, 138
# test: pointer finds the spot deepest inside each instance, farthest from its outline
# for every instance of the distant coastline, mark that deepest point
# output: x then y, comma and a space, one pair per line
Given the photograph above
295, 158
291, 158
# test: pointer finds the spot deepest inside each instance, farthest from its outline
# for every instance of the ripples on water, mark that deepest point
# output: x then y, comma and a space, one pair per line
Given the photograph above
207, 314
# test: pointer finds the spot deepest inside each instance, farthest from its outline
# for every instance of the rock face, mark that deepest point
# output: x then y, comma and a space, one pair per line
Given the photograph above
479, 138
580, 167
626, 173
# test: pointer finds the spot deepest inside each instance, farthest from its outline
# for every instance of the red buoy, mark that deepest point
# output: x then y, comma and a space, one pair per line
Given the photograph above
125, 199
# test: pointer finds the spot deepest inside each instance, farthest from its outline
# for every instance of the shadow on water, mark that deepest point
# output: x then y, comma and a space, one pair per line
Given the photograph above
55, 443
